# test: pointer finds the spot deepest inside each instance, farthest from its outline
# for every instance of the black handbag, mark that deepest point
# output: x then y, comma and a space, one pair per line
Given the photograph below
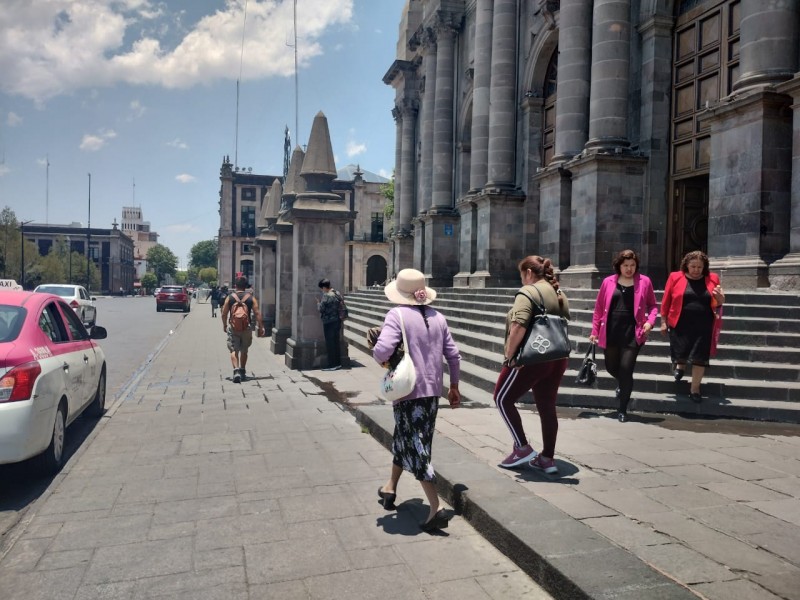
587, 375
546, 338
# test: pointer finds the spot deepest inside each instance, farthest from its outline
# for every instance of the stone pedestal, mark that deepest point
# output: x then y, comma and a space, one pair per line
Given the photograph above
441, 247
402, 254
319, 223
784, 274
468, 229
750, 180
418, 261
606, 215
282, 327
266, 292
499, 238
555, 201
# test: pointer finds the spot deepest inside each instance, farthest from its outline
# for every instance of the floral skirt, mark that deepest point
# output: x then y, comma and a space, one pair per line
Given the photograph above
414, 423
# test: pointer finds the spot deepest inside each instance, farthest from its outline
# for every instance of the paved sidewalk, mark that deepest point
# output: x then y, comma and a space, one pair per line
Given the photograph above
195, 487
716, 513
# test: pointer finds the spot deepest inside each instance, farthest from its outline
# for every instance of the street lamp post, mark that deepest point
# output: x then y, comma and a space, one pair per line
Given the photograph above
89, 237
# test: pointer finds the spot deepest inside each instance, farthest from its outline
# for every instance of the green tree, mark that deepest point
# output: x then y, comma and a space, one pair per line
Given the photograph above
209, 275
203, 254
161, 261
149, 281
9, 238
387, 189
181, 277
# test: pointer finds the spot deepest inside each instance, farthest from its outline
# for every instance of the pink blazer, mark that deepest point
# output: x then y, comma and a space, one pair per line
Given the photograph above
645, 308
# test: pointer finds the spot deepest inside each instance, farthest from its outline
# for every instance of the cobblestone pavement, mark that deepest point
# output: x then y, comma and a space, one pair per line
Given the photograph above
195, 487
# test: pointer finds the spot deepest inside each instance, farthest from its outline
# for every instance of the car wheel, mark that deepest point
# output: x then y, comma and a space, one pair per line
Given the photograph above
98, 405
52, 459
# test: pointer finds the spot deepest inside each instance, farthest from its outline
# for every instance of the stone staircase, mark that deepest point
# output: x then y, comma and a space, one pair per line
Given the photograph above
755, 375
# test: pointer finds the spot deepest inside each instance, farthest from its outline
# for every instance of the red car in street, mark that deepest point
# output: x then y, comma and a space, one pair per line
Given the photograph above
173, 296
51, 371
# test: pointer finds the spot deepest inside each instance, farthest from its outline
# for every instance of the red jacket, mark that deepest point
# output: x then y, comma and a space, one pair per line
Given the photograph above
672, 302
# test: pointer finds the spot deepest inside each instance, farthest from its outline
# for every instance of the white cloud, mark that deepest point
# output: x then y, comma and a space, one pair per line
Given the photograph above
93, 143
4, 170
355, 148
185, 178
137, 110
178, 143
180, 228
385, 173
53, 47
13, 119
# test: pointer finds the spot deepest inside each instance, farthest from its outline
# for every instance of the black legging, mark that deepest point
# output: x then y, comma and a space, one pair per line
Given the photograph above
620, 363
331, 331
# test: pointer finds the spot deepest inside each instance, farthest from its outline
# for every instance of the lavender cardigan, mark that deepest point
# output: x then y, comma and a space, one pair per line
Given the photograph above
428, 346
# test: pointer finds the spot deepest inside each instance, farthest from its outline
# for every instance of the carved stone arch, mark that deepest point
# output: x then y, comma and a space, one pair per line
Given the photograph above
536, 68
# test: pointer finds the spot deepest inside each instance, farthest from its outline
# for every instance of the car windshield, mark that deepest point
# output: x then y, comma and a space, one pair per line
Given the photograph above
65, 291
11, 319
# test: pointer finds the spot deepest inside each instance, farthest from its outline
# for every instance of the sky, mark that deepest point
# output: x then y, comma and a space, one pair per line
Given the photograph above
134, 102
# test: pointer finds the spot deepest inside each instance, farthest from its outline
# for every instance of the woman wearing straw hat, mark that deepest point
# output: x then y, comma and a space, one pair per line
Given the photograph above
428, 342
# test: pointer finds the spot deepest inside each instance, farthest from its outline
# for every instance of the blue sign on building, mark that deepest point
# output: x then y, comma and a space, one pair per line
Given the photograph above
448, 229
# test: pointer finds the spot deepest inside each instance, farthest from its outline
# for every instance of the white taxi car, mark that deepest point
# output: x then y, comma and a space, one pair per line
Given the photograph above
77, 297
51, 370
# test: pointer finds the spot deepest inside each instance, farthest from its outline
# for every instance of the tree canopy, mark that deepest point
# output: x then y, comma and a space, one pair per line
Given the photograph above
161, 261
203, 254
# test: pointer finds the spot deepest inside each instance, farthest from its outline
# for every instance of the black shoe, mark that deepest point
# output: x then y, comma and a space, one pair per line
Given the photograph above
237, 378
622, 417
387, 499
696, 398
439, 521
678, 374
242, 375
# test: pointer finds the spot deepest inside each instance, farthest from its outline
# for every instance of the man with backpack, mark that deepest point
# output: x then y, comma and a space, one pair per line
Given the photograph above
236, 322
332, 311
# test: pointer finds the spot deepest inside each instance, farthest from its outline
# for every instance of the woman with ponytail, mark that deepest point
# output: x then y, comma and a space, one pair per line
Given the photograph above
542, 379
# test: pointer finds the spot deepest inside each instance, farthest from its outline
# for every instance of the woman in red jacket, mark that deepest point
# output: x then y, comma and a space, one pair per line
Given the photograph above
624, 314
691, 308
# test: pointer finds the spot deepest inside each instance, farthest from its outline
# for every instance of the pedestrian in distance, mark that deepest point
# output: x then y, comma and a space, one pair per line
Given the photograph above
429, 343
542, 379
624, 314
691, 311
329, 306
213, 297
238, 326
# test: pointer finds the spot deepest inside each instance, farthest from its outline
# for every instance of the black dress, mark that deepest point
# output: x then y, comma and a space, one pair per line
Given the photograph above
621, 328
690, 339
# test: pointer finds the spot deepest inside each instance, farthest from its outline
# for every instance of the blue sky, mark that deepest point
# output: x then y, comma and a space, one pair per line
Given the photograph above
145, 91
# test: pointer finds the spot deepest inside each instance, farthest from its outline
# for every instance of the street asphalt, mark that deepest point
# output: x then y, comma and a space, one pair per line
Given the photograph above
195, 487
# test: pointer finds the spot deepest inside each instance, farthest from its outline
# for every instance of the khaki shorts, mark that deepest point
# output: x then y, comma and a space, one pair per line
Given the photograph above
239, 341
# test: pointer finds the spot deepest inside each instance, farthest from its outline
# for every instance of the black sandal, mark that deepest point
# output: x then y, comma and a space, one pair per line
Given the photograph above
387, 499
439, 521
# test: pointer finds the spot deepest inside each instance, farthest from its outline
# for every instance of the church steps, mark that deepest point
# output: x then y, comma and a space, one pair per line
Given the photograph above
758, 378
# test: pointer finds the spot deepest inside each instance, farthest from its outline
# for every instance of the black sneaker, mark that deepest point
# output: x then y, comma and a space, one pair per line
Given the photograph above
243, 374
237, 378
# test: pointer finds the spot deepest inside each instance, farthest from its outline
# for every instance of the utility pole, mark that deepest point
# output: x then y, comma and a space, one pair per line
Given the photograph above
89, 238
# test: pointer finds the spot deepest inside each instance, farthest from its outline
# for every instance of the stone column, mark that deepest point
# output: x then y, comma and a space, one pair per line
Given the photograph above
502, 102
574, 74
398, 166
785, 273
656, 123
608, 101
427, 120
479, 157
407, 166
768, 43
442, 180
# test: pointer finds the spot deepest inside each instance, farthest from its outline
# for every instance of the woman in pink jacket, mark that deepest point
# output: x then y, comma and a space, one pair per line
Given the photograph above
624, 314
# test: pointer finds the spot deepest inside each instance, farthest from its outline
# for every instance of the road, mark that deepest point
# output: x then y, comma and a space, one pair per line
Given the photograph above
135, 330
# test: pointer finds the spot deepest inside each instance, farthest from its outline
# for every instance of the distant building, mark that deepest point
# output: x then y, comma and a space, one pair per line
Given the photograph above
136, 228
241, 196
111, 251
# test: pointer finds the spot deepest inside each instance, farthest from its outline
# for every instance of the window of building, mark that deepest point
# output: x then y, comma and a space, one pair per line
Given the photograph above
249, 193
376, 233
247, 248
248, 221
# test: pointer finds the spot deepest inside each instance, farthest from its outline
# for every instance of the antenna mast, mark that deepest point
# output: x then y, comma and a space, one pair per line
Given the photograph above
296, 84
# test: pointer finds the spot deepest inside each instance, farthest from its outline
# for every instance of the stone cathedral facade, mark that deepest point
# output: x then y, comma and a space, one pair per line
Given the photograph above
576, 128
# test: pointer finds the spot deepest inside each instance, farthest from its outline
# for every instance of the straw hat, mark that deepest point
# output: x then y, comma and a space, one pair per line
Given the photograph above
409, 288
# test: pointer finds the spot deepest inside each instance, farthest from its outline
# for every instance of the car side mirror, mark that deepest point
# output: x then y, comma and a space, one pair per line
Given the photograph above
98, 333
94, 298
